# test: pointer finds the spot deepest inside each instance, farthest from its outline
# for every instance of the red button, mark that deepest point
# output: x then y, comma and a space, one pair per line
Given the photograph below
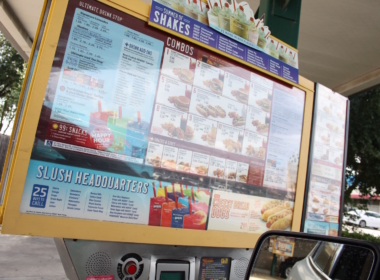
132, 269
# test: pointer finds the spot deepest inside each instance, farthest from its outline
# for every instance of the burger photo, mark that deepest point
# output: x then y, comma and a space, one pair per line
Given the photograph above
215, 85
182, 103
265, 104
241, 94
186, 75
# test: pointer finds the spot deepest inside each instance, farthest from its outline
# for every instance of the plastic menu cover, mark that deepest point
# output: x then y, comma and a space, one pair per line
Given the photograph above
138, 126
327, 164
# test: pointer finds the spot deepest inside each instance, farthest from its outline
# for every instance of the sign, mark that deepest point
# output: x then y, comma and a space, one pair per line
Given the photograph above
138, 126
214, 268
326, 170
185, 24
243, 213
283, 246
322, 228
89, 194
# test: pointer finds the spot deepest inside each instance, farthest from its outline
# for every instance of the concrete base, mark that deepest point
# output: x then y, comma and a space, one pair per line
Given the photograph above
29, 258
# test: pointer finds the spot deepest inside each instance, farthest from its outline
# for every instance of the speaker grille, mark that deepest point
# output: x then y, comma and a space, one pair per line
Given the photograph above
240, 267
98, 264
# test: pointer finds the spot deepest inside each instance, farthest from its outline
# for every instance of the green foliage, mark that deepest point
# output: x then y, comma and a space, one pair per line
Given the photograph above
363, 155
12, 71
357, 234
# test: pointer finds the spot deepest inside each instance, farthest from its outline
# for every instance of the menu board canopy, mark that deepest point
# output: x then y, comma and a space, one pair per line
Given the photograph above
326, 175
140, 127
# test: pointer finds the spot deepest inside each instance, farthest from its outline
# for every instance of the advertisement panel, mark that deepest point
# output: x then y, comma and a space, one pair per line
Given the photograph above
243, 213
147, 126
326, 176
231, 29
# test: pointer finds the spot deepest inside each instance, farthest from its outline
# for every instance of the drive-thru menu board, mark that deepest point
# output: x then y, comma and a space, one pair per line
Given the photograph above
327, 164
124, 91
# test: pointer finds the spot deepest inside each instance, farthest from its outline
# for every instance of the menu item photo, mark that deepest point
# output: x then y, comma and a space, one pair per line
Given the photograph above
154, 154
173, 131
204, 130
178, 66
215, 85
201, 169
255, 145
184, 160
155, 161
210, 137
237, 120
218, 173
169, 122
242, 172
169, 157
209, 77
180, 102
216, 167
229, 139
183, 166
265, 104
272, 204
261, 128
189, 133
170, 164
200, 163
185, 75
271, 222
242, 178
236, 87
203, 110
241, 94
221, 112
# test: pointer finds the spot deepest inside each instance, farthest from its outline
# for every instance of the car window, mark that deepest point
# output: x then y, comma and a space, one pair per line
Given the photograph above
325, 255
368, 214
353, 263
376, 215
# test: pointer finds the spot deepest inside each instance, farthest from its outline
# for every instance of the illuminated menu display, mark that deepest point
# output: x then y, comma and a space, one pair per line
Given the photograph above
325, 186
123, 91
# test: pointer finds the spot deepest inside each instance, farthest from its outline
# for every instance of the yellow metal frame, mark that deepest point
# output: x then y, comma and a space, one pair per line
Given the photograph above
27, 224
2, 207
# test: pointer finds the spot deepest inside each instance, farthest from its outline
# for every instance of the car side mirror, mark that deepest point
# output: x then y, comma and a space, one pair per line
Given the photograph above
296, 256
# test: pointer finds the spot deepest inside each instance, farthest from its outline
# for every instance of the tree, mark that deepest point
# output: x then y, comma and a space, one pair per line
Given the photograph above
12, 69
363, 154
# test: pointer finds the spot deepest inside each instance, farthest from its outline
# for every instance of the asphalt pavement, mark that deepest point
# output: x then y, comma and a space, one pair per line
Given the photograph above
29, 258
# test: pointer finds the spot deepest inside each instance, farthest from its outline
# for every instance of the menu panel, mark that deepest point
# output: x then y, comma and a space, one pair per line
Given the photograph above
326, 176
144, 123
242, 213
188, 19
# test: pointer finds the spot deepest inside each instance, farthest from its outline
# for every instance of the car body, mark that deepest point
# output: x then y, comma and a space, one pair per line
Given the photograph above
363, 218
332, 261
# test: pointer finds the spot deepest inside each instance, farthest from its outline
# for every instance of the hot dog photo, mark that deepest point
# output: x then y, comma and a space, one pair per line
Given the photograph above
254, 214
